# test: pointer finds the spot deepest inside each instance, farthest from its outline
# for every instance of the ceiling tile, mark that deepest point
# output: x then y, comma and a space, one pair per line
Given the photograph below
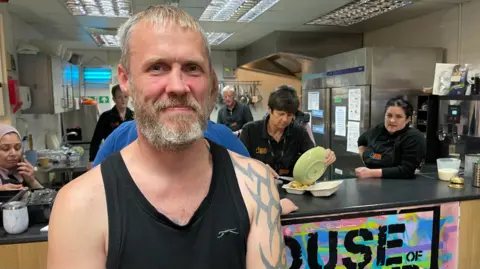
194, 3
137, 7
267, 27
100, 22
195, 12
278, 17
210, 26
38, 6
51, 19
324, 29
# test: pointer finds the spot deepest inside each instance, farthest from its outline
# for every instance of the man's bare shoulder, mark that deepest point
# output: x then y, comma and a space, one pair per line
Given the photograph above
80, 207
251, 165
257, 185
84, 191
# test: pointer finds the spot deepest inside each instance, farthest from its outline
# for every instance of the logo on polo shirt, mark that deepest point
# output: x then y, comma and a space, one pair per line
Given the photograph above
261, 150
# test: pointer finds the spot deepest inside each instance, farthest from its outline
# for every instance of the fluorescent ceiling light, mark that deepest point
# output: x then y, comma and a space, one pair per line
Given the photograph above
358, 11
101, 8
257, 10
104, 37
217, 38
109, 41
107, 37
236, 10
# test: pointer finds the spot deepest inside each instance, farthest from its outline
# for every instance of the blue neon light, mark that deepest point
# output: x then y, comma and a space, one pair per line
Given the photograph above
97, 75
71, 75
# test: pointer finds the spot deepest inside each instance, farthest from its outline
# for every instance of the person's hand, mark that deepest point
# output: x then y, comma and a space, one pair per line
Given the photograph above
363, 172
287, 206
275, 175
331, 158
26, 170
10, 187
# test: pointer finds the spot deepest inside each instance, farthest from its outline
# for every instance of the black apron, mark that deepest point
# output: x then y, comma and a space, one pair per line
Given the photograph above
380, 153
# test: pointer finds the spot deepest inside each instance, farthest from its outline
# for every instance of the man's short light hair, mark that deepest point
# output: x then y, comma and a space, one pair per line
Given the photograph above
229, 88
159, 16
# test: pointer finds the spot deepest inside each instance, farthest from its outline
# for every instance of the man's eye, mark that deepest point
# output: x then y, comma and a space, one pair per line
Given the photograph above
193, 68
159, 67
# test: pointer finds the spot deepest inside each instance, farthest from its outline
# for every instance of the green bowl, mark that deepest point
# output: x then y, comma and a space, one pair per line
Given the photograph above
310, 166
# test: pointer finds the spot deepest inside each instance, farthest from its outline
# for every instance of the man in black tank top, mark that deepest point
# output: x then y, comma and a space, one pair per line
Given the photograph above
171, 199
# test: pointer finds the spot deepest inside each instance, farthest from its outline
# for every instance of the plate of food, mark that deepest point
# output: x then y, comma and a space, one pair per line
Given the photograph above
318, 189
295, 187
325, 188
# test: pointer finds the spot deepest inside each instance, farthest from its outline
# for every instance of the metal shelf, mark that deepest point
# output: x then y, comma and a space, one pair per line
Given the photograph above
459, 97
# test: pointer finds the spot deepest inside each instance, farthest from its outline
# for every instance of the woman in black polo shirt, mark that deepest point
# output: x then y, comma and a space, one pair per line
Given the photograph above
392, 149
277, 140
110, 120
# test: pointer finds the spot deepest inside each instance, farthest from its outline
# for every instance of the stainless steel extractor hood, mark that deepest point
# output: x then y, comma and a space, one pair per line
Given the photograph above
288, 53
280, 63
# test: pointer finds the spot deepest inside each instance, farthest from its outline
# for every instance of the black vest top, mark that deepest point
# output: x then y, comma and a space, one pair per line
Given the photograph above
140, 237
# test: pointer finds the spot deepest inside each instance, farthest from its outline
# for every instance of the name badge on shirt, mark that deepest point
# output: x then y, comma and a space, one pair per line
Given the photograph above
260, 150
376, 156
283, 171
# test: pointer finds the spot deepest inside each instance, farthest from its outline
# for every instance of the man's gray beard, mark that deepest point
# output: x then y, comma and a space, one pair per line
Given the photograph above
179, 133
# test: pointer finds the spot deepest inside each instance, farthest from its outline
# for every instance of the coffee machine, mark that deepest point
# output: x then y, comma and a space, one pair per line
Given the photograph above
458, 126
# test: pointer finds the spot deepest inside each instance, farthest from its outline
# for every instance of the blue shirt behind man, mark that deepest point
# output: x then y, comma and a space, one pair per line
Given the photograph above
126, 133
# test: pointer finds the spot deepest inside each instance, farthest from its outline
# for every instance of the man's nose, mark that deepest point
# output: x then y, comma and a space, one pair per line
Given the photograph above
176, 84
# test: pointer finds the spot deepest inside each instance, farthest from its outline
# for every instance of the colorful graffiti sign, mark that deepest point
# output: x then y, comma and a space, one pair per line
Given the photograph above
407, 238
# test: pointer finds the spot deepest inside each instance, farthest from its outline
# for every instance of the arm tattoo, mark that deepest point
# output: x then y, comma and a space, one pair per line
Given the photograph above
272, 205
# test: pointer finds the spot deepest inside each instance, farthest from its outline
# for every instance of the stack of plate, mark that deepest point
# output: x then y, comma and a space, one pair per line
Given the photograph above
319, 189
308, 169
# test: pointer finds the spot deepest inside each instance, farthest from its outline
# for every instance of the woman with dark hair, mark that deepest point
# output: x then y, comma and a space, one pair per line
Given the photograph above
15, 171
277, 140
392, 149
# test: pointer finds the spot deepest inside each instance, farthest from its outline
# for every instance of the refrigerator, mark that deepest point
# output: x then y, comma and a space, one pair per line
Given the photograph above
346, 95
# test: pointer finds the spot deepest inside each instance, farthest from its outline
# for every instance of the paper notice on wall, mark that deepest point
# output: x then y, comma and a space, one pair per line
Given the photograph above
354, 104
353, 134
313, 100
340, 120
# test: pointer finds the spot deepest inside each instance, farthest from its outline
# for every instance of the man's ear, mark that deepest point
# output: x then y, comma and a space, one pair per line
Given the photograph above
123, 80
214, 86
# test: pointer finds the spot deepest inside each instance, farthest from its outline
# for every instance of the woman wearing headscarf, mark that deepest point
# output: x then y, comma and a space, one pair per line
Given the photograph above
15, 171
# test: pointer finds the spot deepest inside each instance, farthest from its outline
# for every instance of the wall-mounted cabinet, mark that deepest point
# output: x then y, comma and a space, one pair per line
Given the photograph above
54, 83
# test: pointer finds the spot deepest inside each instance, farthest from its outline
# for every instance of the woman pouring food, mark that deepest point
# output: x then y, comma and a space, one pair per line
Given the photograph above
15, 171
277, 140
392, 150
